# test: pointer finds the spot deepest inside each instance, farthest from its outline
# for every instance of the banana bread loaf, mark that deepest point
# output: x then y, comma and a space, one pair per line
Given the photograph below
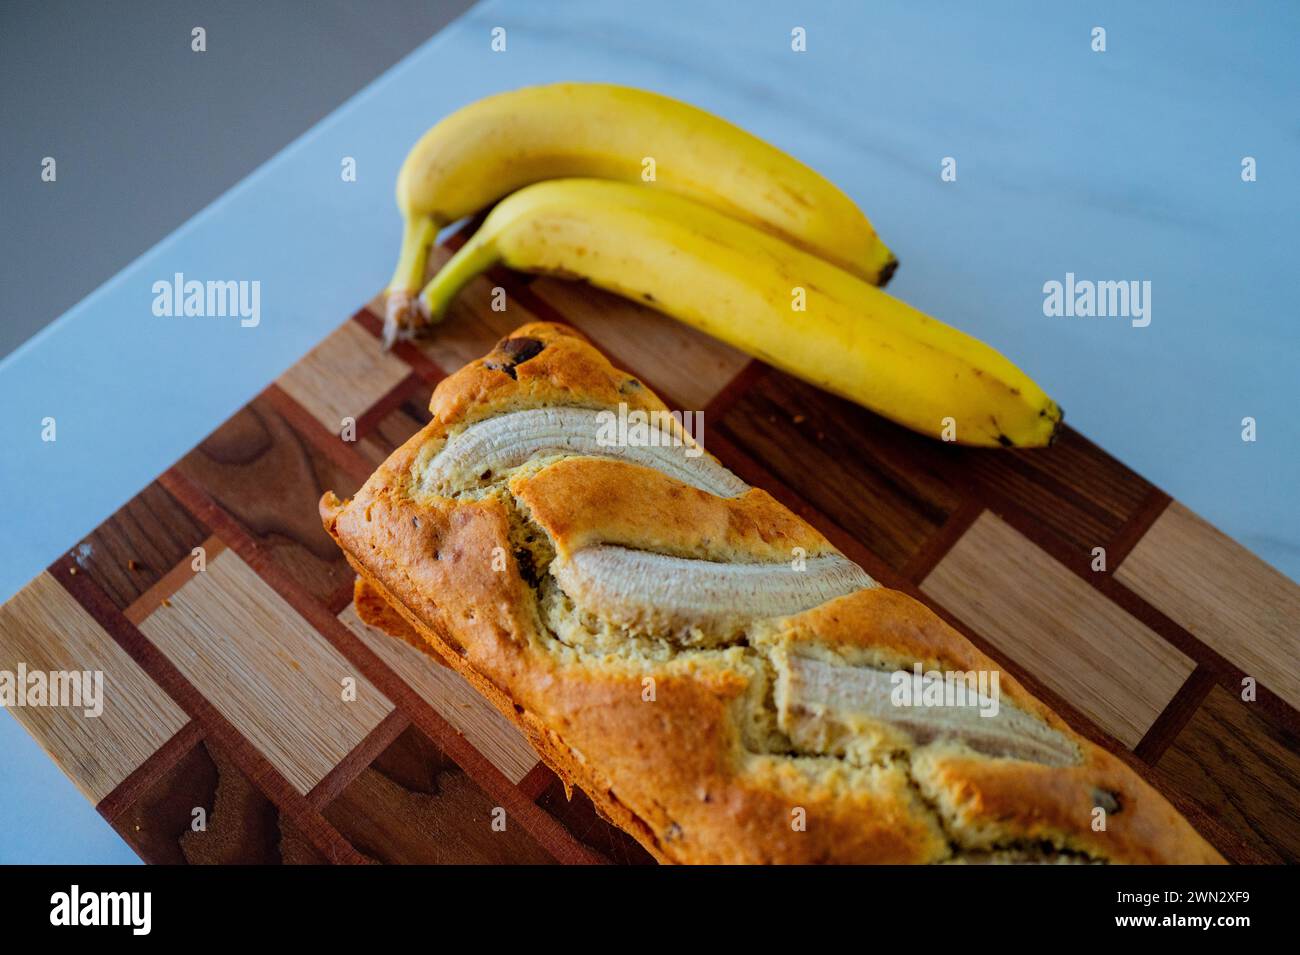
723, 683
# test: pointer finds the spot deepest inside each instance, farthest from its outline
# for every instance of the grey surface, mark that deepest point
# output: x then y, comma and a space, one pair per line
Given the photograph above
146, 132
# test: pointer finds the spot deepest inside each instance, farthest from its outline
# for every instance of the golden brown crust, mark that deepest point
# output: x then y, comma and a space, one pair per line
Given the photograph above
377, 612
567, 371
678, 749
584, 501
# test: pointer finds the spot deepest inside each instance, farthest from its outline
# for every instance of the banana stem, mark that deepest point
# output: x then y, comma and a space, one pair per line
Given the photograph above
417, 238
400, 314
473, 259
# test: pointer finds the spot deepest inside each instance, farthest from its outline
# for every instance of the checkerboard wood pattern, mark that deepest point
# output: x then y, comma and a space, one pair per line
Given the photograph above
226, 685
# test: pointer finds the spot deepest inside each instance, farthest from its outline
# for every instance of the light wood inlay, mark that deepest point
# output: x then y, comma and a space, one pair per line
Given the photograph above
46, 629
169, 583
447, 692
1112, 667
685, 364
343, 376
1222, 594
266, 670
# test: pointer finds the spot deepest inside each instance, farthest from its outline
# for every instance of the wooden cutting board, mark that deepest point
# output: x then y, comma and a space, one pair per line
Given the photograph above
251, 717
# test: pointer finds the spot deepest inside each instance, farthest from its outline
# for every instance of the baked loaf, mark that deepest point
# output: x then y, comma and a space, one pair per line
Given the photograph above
702, 662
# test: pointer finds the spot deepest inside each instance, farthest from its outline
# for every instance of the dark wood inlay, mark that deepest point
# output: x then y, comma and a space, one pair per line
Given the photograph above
205, 811
144, 539
269, 475
1245, 771
413, 804
891, 489
580, 816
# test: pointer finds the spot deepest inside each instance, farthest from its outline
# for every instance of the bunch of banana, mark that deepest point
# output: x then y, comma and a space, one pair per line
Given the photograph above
499, 144
792, 309
732, 236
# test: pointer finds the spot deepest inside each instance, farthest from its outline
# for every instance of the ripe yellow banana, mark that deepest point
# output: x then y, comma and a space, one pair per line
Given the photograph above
746, 287
497, 145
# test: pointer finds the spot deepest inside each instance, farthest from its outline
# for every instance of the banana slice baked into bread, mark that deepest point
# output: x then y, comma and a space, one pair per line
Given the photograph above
702, 662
